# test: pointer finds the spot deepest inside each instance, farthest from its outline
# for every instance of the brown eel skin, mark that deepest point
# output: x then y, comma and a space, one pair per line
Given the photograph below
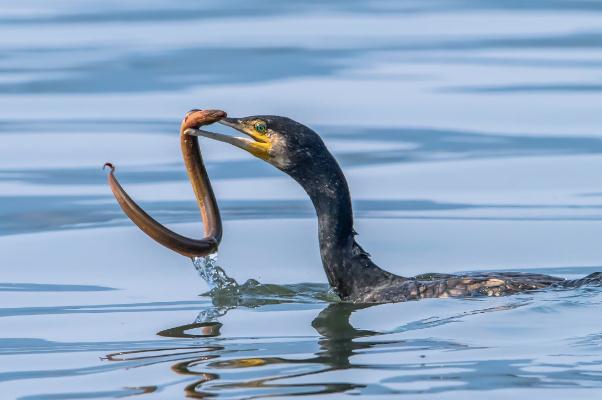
202, 190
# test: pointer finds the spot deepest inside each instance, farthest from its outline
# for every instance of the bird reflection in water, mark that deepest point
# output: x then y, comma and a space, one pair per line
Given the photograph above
204, 362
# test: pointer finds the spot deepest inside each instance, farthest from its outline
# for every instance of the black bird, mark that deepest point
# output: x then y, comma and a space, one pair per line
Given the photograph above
300, 152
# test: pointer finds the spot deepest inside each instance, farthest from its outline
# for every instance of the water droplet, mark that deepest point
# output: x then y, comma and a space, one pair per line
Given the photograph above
214, 275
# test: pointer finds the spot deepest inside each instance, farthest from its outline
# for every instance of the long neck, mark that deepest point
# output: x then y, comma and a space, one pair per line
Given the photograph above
332, 201
348, 268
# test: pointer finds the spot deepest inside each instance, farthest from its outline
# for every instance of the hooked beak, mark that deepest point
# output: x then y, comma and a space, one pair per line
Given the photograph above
256, 145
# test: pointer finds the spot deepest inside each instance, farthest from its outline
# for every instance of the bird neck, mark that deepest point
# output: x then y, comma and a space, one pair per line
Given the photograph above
344, 261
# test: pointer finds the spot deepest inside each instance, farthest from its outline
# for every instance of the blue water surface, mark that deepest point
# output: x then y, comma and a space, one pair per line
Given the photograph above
471, 136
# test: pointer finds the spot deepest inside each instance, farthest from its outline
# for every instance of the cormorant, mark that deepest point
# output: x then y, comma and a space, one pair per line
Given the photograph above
300, 152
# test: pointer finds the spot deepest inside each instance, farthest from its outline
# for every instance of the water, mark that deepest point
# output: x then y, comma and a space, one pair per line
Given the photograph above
213, 274
470, 133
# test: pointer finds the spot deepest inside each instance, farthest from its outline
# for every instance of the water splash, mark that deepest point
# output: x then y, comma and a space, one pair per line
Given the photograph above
213, 274
211, 314
227, 292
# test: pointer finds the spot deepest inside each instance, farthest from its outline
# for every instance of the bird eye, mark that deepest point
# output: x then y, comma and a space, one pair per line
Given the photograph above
261, 127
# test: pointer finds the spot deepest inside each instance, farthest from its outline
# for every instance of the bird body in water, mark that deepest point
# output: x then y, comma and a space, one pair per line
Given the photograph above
300, 152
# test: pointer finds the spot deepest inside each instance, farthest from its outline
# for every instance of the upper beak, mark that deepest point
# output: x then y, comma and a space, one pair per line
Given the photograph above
255, 147
232, 123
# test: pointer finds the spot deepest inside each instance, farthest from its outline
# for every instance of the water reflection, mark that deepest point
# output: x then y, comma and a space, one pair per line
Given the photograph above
217, 370
202, 329
247, 367
337, 344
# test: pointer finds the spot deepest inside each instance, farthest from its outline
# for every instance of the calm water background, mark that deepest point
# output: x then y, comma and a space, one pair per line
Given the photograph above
471, 135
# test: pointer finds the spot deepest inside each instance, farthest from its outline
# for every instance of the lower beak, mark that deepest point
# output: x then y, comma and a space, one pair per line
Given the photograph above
254, 147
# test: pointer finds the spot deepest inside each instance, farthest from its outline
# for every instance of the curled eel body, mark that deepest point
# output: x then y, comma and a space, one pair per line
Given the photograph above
201, 186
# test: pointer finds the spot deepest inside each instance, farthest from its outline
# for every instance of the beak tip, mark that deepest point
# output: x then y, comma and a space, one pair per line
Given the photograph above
218, 114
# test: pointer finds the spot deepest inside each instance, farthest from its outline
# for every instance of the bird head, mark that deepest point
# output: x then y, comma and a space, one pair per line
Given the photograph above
280, 141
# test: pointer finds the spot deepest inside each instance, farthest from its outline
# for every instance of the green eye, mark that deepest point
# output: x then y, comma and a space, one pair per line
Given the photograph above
261, 127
